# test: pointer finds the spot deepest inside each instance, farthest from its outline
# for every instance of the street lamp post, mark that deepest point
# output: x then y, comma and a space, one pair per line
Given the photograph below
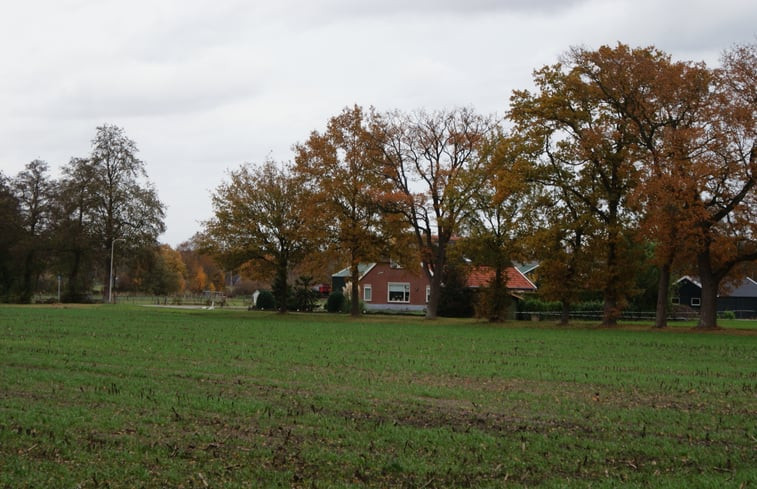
110, 279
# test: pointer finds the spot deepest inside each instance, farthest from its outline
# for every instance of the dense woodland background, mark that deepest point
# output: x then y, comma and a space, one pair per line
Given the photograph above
620, 171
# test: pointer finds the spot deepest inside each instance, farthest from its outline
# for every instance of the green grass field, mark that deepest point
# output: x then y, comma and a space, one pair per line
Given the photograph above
127, 396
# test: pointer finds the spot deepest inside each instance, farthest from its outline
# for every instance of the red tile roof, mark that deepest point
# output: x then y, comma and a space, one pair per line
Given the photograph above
482, 277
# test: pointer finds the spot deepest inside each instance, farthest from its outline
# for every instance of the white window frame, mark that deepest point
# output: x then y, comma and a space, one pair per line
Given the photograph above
367, 293
428, 294
405, 291
696, 301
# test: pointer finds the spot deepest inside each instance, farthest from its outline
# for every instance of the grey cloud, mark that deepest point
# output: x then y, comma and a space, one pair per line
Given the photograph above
140, 96
312, 14
452, 6
104, 104
207, 84
179, 37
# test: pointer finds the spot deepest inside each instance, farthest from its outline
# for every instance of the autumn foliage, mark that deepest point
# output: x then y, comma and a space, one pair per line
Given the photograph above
618, 161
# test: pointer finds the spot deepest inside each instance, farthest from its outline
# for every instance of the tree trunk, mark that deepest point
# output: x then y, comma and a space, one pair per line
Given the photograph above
565, 313
499, 297
73, 294
354, 291
433, 302
610, 311
27, 287
708, 309
280, 287
435, 279
106, 289
663, 285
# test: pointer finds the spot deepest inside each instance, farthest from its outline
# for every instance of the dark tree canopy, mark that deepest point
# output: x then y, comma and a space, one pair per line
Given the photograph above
34, 192
120, 204
10, 233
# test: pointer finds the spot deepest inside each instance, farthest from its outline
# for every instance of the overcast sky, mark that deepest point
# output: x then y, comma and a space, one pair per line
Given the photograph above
204, 86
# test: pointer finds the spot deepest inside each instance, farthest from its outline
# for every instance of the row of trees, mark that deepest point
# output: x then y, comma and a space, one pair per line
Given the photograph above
164, 271
70, 227
619, 159
67, 228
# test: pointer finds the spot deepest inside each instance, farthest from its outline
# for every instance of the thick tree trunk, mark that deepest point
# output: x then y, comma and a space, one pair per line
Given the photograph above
708, 311
27, 287
663, 285
280, 287
611, 312
433, 302
72, 288
354, 291
498, 296
106, 281
565, 313
435, 279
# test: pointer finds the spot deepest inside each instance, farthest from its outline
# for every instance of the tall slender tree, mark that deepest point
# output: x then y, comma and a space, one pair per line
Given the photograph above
74, 238
120, 201
562, 241
34, 193
10, 234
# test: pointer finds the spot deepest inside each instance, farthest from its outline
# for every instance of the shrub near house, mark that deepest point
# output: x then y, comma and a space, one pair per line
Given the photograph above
740, 299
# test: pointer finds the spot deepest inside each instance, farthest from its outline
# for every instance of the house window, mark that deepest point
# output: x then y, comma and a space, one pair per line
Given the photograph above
399, 292
696, 301
367, 293
428, 294
676, 300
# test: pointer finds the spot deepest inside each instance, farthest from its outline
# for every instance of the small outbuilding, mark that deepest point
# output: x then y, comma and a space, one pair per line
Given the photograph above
740, 299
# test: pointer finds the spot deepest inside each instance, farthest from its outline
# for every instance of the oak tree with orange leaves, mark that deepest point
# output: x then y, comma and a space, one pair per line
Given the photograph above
588, 156
561, 239
725, 202
697, 128
668, 106
342, 169
258, 221
499, 221
633, 136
